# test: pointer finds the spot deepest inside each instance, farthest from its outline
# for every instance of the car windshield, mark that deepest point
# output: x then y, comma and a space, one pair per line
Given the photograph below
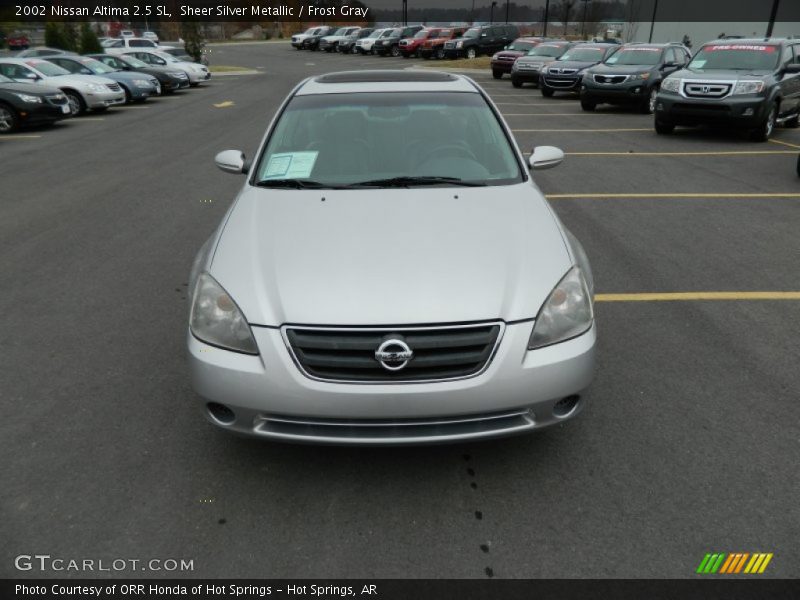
48, 69
134, 62
749, 57
445, 33
551, 50
520, 46
341, 31
375, 34
96, 67
472, 33
334, 140
584, 54
391, 32
635, 56
167, 57
310, 31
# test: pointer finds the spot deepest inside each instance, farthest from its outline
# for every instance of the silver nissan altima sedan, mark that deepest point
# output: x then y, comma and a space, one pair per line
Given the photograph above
390, 274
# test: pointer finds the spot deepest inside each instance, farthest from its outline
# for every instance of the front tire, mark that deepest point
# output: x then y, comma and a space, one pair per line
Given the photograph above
471, 53
9, 121
664, 128
588, 105
128, 95
76, 104
649, 105
395, 51
516, 82
547, 92
440, 54
497, 74
764, 131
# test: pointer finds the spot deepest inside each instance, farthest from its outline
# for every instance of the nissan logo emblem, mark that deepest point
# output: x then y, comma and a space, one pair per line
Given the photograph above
394, 354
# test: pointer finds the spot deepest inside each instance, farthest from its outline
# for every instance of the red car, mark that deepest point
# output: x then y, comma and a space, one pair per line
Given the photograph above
433, 47
503, 61
410, 46
18, 42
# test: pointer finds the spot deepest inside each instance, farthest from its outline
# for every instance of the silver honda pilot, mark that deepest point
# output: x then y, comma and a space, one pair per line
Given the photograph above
390, 274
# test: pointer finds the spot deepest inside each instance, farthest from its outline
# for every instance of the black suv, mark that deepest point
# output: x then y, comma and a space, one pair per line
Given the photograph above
486, 39
312, 41
390, 44
565, 73
632, 75
748, 84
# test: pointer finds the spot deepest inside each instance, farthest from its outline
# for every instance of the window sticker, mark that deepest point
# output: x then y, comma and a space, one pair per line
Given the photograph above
290, 165
757, 48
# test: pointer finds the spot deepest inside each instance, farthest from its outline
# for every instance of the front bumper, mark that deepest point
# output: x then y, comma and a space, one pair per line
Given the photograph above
629, 92
34, 114
271, 398
503, 66
454, 53
409, 50
562, 83
739, 112
104, 99
526, 75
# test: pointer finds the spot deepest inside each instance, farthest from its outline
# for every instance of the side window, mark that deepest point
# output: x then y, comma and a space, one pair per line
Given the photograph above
796, 50
787, 57
497, 32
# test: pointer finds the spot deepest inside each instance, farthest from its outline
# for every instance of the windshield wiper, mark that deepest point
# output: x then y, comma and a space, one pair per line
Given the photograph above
299, 184
407, 181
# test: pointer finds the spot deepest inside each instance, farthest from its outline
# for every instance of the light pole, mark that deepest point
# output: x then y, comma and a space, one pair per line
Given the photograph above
583, 26
507, 2
546, 16
772, 16
491, 11
653, 22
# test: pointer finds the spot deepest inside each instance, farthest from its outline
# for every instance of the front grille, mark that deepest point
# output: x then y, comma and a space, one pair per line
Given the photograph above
449, 45
114, 87
699, 89
610, 78
560, 71
440, 353
560, 82
399, 431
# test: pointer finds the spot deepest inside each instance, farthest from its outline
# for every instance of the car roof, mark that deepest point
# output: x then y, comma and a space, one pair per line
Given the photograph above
344, 82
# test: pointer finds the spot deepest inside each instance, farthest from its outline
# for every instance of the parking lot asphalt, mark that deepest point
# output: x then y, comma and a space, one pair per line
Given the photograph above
689, 443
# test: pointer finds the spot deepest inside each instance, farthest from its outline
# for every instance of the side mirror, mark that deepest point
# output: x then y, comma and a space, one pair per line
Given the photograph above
32, 76
545, 157
792, 69
484, 34
231, 161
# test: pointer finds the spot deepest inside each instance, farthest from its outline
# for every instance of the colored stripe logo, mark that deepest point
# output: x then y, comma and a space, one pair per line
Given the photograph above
734, 563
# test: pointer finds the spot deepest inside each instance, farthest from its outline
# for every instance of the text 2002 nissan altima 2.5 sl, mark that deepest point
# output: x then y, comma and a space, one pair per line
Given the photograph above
411, 287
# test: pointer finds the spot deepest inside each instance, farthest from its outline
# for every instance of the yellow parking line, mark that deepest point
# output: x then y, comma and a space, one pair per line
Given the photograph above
670, 196
785, 144
11, 138
711, 153
573, 130
683, 296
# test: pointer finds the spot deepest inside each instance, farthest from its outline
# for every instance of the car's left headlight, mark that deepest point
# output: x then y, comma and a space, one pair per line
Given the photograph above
28, 98
459, 44
567, 313
748, 87
217, 320
142, 83
670, 84
636, 76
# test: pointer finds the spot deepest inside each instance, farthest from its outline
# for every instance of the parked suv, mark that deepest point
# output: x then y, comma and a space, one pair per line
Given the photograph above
749, 84
390, 44
366, 44
632, 75
348, 44
486, 39
410, 46
526, 69
330, 43
494, 336
312, 41
434, 47
503, 60
565, 73
299, 38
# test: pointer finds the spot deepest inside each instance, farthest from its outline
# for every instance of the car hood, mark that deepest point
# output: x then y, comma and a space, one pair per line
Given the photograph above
572, 64
535, 59
77, 80
621, 69
390, 256
718, 75
29, 88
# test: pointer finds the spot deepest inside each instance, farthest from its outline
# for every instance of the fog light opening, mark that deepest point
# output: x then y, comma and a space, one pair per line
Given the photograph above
748, 112
221, 413
566, 406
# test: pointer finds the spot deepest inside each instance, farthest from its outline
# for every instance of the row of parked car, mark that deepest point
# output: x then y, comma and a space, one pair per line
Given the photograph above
47, 84
750, 84
414, 40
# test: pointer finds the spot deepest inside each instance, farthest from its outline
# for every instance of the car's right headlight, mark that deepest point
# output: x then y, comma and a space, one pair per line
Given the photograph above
459, 44
748, 87
567, 313
671, 84
216, 320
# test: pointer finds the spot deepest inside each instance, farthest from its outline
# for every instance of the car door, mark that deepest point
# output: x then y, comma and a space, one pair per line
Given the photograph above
790, 82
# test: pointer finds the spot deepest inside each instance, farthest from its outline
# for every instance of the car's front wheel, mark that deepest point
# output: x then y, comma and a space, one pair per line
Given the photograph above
395, 51
764, 131
76, 104
471, 53
497, 74
664, 128
547, 92
648, 107
588, 105
440, 53
9, 121
516, 82
128, 95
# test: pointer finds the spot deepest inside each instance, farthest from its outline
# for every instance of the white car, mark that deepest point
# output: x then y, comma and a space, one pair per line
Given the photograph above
126, 33
196, 73
299, 38
130, 42
84, 92
364, 45
149, 35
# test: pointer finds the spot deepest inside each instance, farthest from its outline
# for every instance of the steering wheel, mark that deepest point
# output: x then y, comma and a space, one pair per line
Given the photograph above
455, 150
